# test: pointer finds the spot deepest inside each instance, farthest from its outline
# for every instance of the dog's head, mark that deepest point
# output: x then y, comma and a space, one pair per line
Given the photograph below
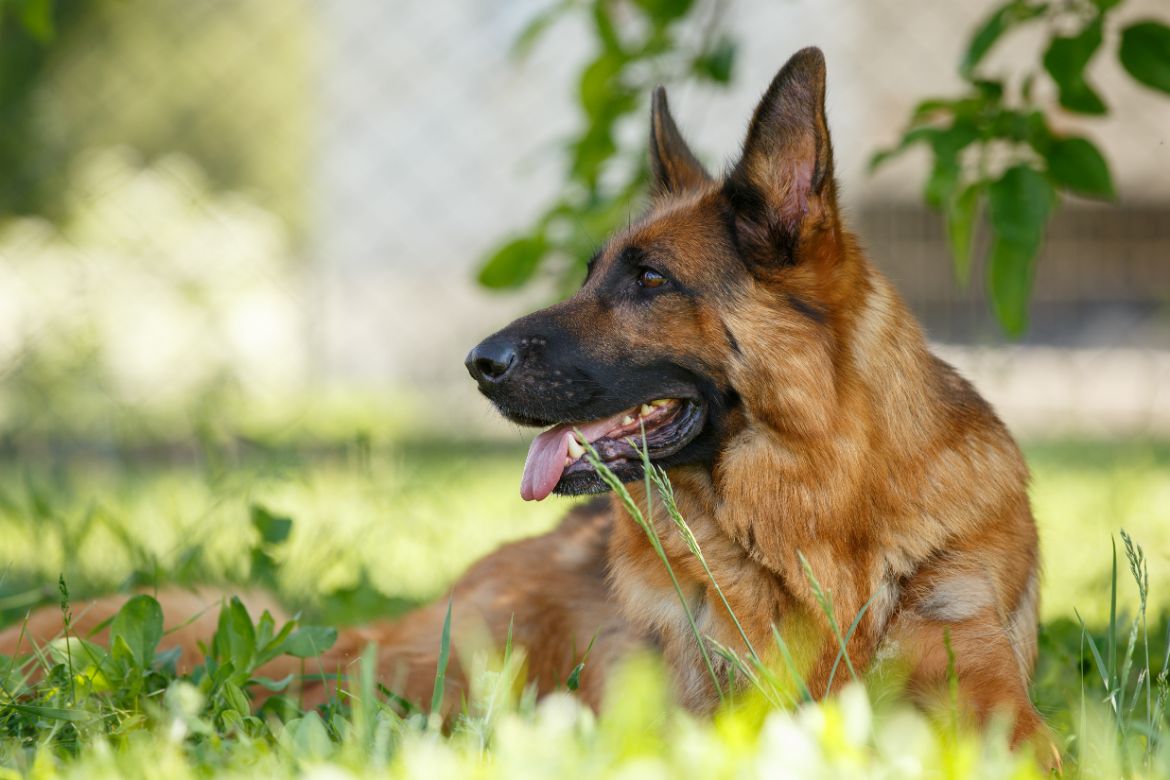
718, 307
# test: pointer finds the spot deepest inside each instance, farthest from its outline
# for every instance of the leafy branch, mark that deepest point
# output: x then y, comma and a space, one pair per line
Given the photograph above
640, 43
995, 152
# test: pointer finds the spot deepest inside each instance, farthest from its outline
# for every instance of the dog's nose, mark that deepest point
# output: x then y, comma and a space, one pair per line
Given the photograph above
491, 360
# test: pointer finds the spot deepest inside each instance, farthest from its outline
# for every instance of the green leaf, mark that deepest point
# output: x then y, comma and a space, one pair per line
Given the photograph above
911, 137
961, 220
590, 153
1066, 59
574, 680
1009, 124
664, 11
309, 641
273, 528
928, 107
536, 28
908, 139
1010, 269
514, 263
306, 737
235, 636
944, 176
1004, 18
265, 628
600, 84
268, 644
52, 713
1019, 203
990, 90
1145, 53
236, 699
139, 625
718, 63
1037, 132
948, 144
80, 652
37, 18
950, 141
273, 685
1077, 165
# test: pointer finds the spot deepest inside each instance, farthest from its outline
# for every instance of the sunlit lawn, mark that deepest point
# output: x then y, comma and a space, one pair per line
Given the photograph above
378, 528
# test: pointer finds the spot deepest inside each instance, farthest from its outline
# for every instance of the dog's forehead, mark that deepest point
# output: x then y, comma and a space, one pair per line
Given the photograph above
686, 235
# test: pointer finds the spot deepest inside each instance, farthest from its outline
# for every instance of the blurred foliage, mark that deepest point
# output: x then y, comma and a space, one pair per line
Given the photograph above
153, 199
153, 299
34, 16
30, 31
162, 78
639, 44
995, 149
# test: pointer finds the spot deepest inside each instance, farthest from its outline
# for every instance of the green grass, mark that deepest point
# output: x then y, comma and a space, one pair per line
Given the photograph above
377, 529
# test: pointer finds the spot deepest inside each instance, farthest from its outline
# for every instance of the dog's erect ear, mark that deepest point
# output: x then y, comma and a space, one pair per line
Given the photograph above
783, 184
673, 167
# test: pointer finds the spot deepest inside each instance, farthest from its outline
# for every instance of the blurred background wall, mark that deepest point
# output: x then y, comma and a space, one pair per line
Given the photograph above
273, 204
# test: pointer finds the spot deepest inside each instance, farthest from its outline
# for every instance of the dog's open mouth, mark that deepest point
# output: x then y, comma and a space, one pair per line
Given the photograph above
556, 456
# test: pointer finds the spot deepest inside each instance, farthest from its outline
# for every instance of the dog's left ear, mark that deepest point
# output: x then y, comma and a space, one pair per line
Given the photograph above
673, 167
782, 188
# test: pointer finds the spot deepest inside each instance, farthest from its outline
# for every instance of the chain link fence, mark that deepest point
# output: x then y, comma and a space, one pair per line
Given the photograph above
218, 203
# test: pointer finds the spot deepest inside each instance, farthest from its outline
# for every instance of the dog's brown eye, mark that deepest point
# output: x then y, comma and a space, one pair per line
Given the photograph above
650, 278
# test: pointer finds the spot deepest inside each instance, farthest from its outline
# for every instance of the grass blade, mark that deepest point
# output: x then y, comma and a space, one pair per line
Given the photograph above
1111, 638
444, 656
848, 635
647, 527
790, 664
827, 607
1102, 668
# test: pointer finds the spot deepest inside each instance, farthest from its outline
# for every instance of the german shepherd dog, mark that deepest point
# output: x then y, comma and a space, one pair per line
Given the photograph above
805, 427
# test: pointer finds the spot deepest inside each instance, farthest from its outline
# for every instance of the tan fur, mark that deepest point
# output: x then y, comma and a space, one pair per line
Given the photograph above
853, 449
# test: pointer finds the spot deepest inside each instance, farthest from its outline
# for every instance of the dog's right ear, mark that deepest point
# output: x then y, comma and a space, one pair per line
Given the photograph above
673, 167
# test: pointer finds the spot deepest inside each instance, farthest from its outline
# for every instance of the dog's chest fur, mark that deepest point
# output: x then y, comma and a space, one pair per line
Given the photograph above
650, 601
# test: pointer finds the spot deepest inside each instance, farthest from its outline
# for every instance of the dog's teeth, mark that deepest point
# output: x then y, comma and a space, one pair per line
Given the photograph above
575, 448
646, 409
628, 420
660, 402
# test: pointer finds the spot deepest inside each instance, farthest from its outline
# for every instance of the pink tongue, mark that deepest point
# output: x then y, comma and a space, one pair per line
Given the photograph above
546, 456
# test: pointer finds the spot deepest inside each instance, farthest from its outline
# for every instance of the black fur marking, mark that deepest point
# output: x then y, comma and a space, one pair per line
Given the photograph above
814, 313
632, 257
749, 541
731, 340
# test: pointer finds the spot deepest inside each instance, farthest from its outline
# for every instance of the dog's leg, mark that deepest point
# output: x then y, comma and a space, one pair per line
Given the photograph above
550, 590
965, 620
986, 666
190, 617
